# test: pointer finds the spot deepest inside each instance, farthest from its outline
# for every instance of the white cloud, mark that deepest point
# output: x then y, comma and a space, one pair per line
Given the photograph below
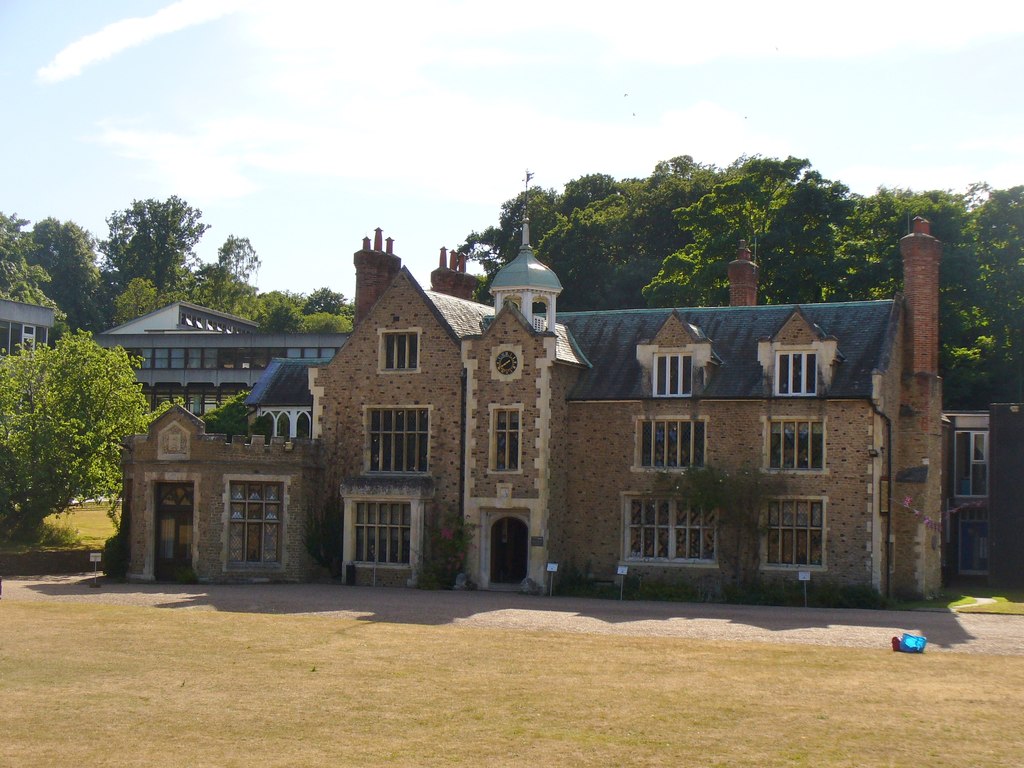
128, 33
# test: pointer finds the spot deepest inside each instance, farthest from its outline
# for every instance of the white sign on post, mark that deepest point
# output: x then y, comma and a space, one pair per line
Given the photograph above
95, 557
552, 567
804, 575
622, 570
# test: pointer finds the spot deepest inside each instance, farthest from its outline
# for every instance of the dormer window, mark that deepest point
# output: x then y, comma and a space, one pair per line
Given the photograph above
673, 375
796, 374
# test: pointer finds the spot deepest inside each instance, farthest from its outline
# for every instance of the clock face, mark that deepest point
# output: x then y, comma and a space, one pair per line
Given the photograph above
506, 362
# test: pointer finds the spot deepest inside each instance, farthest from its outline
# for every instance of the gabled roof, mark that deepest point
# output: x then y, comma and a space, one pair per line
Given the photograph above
469, 318
285, 381
865, 331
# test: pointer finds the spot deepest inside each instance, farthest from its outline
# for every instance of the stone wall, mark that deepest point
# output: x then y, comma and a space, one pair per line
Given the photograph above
208, 464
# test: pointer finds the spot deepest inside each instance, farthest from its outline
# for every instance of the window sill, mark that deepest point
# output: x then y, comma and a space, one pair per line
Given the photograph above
236, 567
667, 563
387, 566
784, 568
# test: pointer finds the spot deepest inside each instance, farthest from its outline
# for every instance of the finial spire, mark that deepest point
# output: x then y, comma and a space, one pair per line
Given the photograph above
526, 209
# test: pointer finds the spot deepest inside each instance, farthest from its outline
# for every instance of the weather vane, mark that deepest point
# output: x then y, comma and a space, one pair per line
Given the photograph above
526, 197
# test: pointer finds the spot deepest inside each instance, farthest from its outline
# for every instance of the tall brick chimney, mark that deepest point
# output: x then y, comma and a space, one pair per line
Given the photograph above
451, 277
375, 269
742, 279
921, 256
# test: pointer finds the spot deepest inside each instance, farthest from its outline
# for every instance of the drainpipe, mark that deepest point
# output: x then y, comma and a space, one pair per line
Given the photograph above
463, 406
887, 575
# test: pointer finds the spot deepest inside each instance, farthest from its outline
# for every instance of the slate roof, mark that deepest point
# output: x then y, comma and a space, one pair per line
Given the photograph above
285, 381
470, 318
864, 330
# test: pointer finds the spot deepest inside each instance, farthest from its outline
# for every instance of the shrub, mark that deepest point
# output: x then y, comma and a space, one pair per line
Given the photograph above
446, 557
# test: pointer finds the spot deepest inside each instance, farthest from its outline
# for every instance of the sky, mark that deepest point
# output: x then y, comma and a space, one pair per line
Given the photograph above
304, 125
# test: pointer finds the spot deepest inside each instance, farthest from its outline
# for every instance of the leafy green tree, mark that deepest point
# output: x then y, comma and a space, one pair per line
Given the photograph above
786, 211
995, 308
68, 254
64, 411
326, 300
325, 322
139, 297
19, 281
278, 312
229, 418
155, 240
225, 285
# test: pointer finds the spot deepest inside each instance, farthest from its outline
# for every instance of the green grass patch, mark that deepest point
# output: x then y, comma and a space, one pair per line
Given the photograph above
87, 526
288, 690
1007, 602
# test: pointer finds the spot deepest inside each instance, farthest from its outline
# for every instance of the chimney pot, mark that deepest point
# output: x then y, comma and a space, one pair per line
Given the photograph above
462, 262
444, 258
922, 226
389, 244
453, 260
378, 234
366, 243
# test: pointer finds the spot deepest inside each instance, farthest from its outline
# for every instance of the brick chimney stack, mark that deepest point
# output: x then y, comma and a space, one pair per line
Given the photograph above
375, 269
921, 256
452, 278
742, 278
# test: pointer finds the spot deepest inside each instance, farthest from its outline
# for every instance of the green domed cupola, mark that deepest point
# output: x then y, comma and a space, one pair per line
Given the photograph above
527, 283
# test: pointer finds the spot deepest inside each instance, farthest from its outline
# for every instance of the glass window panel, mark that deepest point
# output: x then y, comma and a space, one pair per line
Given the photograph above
236, 542
270, 534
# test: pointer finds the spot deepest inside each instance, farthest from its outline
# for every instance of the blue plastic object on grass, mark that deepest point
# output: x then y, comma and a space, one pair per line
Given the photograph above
913, 643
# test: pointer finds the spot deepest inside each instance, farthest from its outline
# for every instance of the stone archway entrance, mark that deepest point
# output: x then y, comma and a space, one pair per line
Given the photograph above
510, 546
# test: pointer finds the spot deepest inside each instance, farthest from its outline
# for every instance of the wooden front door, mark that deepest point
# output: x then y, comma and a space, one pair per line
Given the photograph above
174, 514
510, 544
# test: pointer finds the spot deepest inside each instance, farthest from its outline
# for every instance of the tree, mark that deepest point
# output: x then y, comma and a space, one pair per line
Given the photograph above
139, 297
224, 285
19, 281
229, 418
325, 322
64, 411
68, 254
785, 210
278, 312
326, 300
155, 240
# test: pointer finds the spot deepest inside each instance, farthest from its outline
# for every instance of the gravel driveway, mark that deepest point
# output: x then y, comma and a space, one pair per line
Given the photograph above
945, 630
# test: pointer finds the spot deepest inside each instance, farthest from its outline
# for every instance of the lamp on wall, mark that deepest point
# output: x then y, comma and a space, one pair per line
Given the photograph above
874, 453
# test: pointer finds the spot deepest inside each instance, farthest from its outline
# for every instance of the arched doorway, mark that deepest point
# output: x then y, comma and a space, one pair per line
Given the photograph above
510, 540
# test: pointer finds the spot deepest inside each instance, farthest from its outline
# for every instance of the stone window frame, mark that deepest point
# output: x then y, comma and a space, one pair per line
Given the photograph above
403, 543
229, 565
663, 383
412, 338
492, 459
794, 528
679, 534
423, 435
789, 385
397, 495
775, 460
642, 421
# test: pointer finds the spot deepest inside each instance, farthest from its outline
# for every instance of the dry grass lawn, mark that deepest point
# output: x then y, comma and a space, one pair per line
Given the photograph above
117, 686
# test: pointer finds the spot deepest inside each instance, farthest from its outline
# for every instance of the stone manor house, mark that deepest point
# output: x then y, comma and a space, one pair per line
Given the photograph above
553, 433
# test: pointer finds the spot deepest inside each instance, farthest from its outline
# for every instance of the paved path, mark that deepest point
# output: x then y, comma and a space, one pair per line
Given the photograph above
945, 630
